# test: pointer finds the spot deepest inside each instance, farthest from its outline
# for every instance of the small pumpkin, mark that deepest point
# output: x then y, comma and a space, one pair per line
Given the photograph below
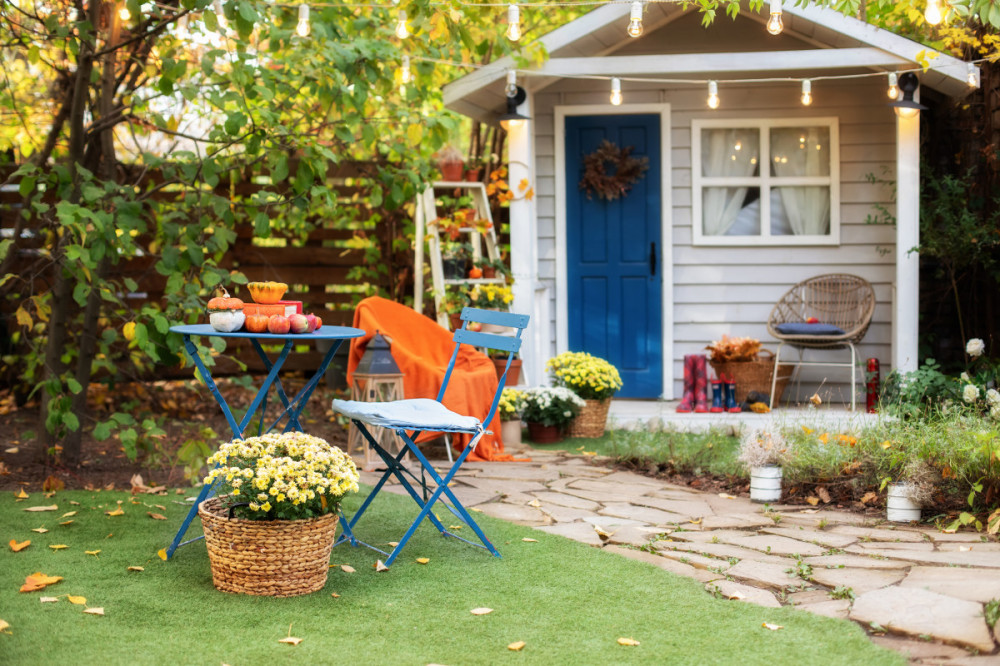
267, 292
475, 273
224, 302
225, 313
257, 323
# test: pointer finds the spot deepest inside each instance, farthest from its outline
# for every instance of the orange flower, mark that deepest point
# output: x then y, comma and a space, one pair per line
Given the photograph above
824, 438
523, 185
530, 194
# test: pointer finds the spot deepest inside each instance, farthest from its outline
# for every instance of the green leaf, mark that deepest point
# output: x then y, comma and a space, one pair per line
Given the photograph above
103, 430
74, 386
71, 421
5, 246
26, 186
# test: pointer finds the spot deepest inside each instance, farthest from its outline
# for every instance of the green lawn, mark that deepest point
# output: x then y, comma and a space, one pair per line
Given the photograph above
568, 602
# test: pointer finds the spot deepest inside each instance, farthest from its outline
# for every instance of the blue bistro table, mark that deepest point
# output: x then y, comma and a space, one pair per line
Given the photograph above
293, 407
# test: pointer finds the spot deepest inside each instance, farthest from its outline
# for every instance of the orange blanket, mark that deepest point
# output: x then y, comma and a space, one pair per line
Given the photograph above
422, 350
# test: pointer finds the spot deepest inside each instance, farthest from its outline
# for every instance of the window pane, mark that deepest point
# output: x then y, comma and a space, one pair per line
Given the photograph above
730, 152
800, 151
798, 211
730, 211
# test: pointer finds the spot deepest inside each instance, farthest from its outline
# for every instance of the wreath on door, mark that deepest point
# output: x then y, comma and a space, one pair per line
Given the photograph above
610, 171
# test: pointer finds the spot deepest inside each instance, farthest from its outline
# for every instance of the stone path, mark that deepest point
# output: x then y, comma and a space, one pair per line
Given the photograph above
914, 589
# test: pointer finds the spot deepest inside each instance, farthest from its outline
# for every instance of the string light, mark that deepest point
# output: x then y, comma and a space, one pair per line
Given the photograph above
774, 24
616, 91
124, 14
513, 22
220, 14
401, 30
807, 97
303, 27
511, 88
404, 71
893, 91
635, 20
933, 12
972, 76
713, 95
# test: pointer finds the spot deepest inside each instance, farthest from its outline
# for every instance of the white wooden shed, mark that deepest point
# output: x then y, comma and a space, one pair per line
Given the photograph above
709, 272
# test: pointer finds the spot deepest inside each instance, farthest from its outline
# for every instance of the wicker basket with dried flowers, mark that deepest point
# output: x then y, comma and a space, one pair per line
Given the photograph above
749, 365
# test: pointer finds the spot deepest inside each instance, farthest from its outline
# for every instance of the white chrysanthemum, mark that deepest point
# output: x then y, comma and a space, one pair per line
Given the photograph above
993, 397
975, 347
965, 377
970, 393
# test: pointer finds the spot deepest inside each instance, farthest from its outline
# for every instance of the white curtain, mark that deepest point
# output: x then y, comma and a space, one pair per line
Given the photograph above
726, 152
797, 151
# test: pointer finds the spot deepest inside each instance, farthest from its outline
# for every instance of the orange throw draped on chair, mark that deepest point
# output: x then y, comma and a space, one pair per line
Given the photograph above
422, 349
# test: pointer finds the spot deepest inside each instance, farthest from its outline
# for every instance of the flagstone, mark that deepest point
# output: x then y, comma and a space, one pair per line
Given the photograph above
599, 496
503, 486
960, 547
917, 612
666, 564
972, 584
688, 509
857, 561
611, 521
880, 534
632, 535
518, 471
642, 513
677, 493
734, 520
967, 537
859, 580
724, 551
633, 478
548, 497
812, 536
564, 514
919, 650
607, 488
724, 505
522, 515
707, 536
837, 608
764, 573
516, 498
582, 532
869, 546
971, 558
808, 597
776, 545
472, 496
740, 592
804, 517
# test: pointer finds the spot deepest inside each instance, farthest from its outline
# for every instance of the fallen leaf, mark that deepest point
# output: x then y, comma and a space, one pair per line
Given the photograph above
627, 641
79, 601
379, 566
725, 496
590, 453
393, 543
40, 530
516, 647
156, 516
813, 501
423, 560
162, 553
67, 522
53, 483
48, 600
347, 568
74, 503
810, 510
736, 595
58, 546
334, 595
91, 552
476, 509
51, 507
823, 494
964, 549
116, 512
291, 640
886, 444
136, 569
99, 610
4, 626
869, 497
816, 400
601, 533
454, 527
18, 547
529, 540
772, 627
695, 521
160, 507
68, 514
535, 503
481, 611
38, 581
21, 494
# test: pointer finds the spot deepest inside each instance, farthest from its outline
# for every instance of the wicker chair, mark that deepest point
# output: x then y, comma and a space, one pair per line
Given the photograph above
846, 301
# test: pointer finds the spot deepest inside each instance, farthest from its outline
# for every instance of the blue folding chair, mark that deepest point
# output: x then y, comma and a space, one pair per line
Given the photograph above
409, 418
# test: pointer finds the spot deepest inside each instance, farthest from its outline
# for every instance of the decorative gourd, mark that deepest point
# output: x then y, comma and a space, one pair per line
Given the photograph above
225, 313
257, 323
267, 292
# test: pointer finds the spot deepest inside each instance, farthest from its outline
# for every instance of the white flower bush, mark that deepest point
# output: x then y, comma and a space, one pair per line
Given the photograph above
551, 406
970, 393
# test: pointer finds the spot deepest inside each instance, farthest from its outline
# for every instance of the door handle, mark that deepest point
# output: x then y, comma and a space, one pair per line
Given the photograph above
652, 258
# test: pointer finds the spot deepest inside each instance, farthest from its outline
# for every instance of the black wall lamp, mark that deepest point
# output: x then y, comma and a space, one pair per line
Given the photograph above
906, 107
512, 118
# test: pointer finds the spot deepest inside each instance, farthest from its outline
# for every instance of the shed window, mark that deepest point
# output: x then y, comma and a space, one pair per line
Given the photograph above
766, 182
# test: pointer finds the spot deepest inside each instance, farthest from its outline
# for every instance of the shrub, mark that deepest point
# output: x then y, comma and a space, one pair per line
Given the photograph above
588, 376
551, 406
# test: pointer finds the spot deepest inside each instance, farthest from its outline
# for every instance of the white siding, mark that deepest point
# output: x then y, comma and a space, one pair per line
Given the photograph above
731, 290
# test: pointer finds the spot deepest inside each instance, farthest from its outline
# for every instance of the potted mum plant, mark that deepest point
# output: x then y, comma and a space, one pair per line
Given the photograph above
763, 451
594, 380
913, 490
548, 410
270, 530
510, 407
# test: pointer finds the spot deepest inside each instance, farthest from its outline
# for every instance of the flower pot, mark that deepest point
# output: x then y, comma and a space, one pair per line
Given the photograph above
452, 171
473, 174
453, 268
765, 483
513, 374
455, 319
510, 432
275, 558
489, 272
899, 508
543, 434
591, 420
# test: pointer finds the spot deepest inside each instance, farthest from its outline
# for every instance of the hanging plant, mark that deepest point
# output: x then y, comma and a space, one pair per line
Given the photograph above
610, 171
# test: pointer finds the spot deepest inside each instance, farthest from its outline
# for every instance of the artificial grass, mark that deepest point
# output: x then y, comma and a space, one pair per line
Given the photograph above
567, 601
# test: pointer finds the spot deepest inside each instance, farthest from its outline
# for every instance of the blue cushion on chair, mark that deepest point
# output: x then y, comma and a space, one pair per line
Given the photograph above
802, 328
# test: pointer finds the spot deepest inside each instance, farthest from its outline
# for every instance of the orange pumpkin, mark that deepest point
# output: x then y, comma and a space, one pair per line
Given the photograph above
267, 292
224, 302
475, 273
257, 323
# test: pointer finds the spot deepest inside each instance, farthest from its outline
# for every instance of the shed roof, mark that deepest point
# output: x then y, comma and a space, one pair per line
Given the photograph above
816, 41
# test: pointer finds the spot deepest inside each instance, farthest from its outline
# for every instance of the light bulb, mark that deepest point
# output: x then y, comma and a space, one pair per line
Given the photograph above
513, 22
511, 88
933, 12
401, 30
713, 95
303, 27
774, 24
404, 71
220, 14
616, 92
635, 20
893, 91
807, 97
973, 76
124, 14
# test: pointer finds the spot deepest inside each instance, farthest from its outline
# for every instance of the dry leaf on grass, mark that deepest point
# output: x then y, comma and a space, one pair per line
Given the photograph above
379, 566
393, 543
67, 522
869, 497
601, 533
347, 568
772, 627
291, 640
99, 610
162, 554
74, 503
334, 595
627, 641
79, 601
813, 501
136, 569
116, 512
40, 530
423, 560
68, 514
58, 546
736, 595
727, 496
38, 581
48, 600
156, 516
21, 494
481, 611
51, 507
4, 626
92, 552
529, 540
18, 547
516, 647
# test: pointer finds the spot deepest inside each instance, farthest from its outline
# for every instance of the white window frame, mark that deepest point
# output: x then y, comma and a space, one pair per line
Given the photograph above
765, 181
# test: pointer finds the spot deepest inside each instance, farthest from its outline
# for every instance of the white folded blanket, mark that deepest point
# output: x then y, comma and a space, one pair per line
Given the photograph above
413, 414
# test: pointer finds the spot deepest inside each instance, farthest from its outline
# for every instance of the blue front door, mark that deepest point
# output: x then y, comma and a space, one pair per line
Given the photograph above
613, 255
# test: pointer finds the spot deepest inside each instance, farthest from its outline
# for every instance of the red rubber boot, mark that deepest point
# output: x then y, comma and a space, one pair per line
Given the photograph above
688, 401
700, 385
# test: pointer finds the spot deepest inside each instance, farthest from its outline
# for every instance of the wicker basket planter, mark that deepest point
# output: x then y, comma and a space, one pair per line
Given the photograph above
275, 558
591, 420
755, 376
